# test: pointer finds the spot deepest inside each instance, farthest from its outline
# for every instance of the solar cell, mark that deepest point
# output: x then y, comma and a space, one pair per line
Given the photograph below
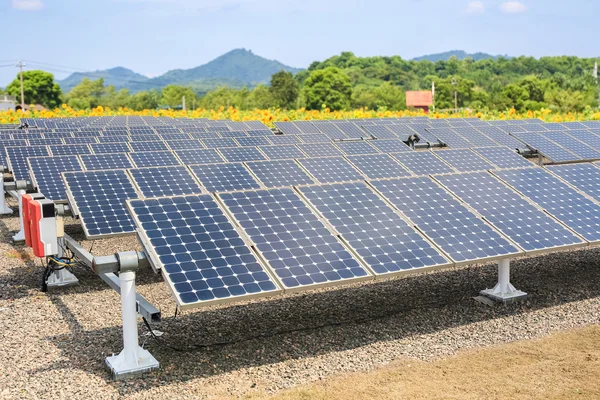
184, 144
282, 152
241, 154
174, 136
113, 139
259, 132
548, 148
474, 137
201, 255
165, 181
233, 134
154, 158
288, 128
106, 161
331, 169
315, 138
350, 129
377, 166
386, 242
573, 145
145, 138
464, 160
284, 139
515, 217
356, 148
199, 156
390, 145
445, 221
585, 177
500, 137
253, 141
80, 140
279, 173
451, 138
101, 148
46, 174
98, 197
422, 163
73, 149
220, 142
205, 135
562, 201
45, 142
306, 127
16, 157
503, 157
379, 132
148, 146
297, 246
224, 177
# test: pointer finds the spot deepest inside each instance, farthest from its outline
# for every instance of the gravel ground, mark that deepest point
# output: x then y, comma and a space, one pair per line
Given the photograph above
54, 344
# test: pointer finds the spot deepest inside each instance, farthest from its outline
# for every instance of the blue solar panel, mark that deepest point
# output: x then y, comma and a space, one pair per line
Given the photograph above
356, 148
80, 140
232, 134
174, 136
144, 138
285, 139
205, 135
297, 246
17, 159
113, 139
99, 200
548, 148
331, 169
380, 132
451, 138
148, 146
500, 137
260, 132
165, 181
241, 154
201, 255
279, 173
320, 150
199, 156
46, 174
306, 127
422, 163
282, 152
585, 177
386, 242
45, 142
390, 145
184, 144
224, 177
252, 141
317, 138
220, 142
573, 145
288, 128
464, 160
101, 148
474, 137
559, 199
106, 161
503, 157
376, 166
154, 158
515, 217
350, 129
445, 221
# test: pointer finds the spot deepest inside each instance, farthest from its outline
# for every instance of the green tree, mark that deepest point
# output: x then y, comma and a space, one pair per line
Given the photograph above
517, 95
284, 89
144, 101
87, 94
329, 87
385, 97
38, 87
260, 97
224, 97
172, 96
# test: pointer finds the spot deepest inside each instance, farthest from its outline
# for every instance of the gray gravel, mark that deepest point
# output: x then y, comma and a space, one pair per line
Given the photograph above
54, 344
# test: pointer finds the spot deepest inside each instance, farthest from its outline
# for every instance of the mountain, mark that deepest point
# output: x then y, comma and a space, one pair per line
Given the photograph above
237, 68
119, 77
460, 54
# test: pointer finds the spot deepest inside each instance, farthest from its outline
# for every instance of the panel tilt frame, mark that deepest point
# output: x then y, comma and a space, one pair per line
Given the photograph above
504, 291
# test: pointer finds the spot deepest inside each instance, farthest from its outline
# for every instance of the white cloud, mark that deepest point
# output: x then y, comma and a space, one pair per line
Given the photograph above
513, 7
475, 7
28, 5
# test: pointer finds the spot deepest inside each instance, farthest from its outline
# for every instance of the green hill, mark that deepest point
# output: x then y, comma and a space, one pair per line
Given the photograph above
460, 54
119, 77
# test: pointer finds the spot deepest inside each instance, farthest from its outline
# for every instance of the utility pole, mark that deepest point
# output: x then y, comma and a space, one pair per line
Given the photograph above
183, 103
596, 78
454, 83
21, 65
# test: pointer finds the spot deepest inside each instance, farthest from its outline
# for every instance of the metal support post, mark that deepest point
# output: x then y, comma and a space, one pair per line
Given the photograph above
504, 291
133, 359
61, 277
4, 209
20, 236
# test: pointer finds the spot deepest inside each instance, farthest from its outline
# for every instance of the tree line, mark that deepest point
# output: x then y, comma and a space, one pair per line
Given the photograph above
346, 81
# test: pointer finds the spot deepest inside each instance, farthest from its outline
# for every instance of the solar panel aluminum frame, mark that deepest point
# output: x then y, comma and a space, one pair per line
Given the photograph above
364, 177
437, 247
139, 190
149, 251
7, 158
76, 213
355, 253
584, 243
35, 183
262, 184
248, 240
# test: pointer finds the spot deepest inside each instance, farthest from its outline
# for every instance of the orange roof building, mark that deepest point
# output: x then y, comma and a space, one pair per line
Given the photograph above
419, 99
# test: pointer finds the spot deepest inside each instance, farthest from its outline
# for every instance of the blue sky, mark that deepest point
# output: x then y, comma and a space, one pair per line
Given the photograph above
153, 36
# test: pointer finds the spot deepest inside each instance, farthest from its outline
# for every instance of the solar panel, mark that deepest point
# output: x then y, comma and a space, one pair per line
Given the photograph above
422, 163
331, 169
205, 135
165, 181
106, 161
586, 137
233, 134
515, 217
329, 129
113, 139
563, 202
282, 152
224, 177
548, 148
349, 129
279, 173
45, 142
377, 166
297, 246
241, 154
256, 125
445, 221
320, 150
98, 197
16, 157
259, 132
306, 127
380, 132
451, 138
100, 148
73, 149
200, 254
474, 137
284, 139
144, 138
500, 137
199, 156
253, 141
503, 157
585, 177
154, 158
148, 146
315, 138
386, 242
356, 148
390, 145
185, 144
464, 160
174, 136
573, 145
220, 142
46, 174
288, 128
80, 140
